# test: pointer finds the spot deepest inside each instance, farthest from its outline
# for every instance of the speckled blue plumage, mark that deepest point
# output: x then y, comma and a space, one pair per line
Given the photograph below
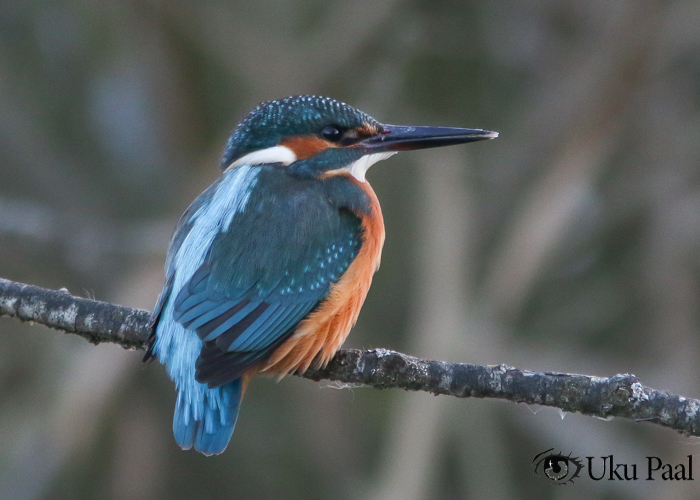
251, 257
270, 121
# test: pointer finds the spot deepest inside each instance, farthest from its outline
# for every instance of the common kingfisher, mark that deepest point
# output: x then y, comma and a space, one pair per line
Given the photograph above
268, 268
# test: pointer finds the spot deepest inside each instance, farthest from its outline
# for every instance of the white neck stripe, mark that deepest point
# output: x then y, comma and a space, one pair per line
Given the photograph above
275, 154
359, 168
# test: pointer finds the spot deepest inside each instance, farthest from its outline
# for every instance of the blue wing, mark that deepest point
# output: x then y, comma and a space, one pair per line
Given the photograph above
240, 329
261, 277
184, 226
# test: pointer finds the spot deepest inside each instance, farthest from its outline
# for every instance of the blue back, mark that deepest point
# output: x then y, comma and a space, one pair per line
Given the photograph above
245, 265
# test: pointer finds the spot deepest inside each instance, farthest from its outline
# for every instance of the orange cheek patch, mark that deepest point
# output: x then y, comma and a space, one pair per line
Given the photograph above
306, 146
367, 130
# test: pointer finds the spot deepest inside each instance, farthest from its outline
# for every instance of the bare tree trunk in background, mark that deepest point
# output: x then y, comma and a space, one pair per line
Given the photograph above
422, 426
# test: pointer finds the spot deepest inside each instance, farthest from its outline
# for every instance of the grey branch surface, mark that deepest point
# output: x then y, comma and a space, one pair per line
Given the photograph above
617, 396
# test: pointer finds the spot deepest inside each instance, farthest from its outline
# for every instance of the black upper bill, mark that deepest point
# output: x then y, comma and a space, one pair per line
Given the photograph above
401, 138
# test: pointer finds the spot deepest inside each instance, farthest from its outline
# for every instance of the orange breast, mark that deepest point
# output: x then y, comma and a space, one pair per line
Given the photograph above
320, 335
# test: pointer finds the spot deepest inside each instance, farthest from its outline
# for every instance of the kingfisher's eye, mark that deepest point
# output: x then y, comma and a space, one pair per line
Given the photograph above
331, 133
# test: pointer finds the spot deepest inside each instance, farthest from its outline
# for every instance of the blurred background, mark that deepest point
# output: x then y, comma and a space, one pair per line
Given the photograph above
571, 243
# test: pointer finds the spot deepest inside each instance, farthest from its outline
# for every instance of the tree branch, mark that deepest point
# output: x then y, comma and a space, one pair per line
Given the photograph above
617, 396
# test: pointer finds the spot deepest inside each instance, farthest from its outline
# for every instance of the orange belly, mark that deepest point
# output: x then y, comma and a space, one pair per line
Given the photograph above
320, 335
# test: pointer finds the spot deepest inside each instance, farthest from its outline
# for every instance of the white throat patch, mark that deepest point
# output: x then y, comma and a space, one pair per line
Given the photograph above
359, 168
275, 154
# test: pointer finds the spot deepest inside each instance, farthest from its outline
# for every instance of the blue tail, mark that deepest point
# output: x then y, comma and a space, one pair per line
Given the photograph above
206, 421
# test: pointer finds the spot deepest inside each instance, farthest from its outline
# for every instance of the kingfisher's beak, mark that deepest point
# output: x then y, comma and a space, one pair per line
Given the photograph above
401, 138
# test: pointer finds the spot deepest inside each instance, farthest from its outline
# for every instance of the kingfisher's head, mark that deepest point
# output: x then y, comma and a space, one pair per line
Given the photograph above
316, 136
